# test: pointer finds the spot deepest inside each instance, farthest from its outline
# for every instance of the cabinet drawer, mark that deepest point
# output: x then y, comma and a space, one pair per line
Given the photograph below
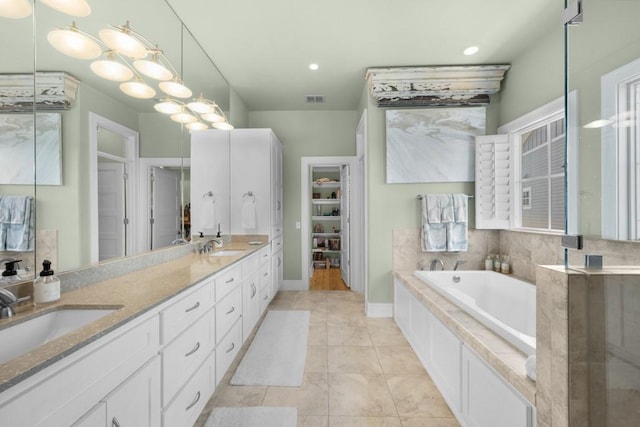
227, 312
185, 354
189, 403
265, 254
264, 276
226, 281
276, 244
250, 265
276, 230
62, 393
264, 298
175, 318
227, 350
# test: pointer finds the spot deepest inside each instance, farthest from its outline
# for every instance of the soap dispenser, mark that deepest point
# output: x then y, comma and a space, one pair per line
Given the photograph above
10, 273
46, 288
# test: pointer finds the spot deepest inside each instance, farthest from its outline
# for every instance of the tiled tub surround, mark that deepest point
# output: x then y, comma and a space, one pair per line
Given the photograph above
165, 274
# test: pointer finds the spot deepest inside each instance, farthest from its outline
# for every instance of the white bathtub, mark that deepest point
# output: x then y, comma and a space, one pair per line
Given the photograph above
502, 303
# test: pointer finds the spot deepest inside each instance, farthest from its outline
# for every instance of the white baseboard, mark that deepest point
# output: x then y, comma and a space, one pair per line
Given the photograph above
293, 285
380, 310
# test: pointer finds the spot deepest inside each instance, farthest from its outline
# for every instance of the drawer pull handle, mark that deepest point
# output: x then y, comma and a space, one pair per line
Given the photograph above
193, 307
230, 280
195, 400
114, 422
196, 348
266, 297
266, 274
233, 345
232, 310
253, 288
279, 262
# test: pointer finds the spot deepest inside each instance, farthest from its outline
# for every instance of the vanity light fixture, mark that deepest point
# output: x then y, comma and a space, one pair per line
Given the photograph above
471, 50
223, 126
15, 9
74, 43
122, 40
153, 68
184, 117
175, 88
79, 8
197, 126
201, 105
110, 69
168, 106
138, 89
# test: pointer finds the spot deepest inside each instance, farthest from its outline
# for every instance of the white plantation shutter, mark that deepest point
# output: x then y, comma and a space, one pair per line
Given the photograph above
494, 174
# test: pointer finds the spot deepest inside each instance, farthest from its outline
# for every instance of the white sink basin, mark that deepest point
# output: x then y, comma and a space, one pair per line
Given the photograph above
29, 334
230, 252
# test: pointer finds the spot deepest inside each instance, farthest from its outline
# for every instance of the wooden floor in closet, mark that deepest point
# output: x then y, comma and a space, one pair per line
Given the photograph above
327, 279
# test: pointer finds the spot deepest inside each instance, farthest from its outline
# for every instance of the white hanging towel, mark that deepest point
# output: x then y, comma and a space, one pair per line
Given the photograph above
17, 227
249, 215
436, 212
209, 220
457, 229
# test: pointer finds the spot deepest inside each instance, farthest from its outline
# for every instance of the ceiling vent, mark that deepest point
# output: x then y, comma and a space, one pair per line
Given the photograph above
314, 99
435, 86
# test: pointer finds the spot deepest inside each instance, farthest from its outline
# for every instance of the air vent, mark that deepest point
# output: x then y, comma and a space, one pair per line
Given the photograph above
314, 99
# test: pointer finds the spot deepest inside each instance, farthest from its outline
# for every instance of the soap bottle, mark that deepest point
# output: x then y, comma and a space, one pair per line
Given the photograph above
488, 263
10, 273
46, 287
218, 241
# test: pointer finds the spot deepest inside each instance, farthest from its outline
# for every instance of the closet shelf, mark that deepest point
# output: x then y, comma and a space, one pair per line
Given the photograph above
337, 233
325, 201
326, 218
327, 185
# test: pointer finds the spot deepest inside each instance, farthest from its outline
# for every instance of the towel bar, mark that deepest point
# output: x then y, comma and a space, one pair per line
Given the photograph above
470, 196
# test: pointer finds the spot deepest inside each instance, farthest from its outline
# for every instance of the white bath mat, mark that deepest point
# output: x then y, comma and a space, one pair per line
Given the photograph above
277, 355
261, 416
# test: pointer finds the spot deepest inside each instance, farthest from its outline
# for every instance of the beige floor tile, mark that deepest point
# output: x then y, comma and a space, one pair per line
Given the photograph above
346, 319
318, 318
317, 335
399, 360
364, 422
386, 335
229, 395
365, 395
353, 360
317, 359
430, 422
348, 335
417, 396
313, 421
312, 398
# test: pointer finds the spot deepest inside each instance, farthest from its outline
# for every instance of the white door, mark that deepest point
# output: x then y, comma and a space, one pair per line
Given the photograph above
165, 207
111, 210
345, 196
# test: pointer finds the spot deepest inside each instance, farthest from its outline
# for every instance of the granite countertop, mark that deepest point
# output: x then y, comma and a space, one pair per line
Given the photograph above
507, 360
131, 295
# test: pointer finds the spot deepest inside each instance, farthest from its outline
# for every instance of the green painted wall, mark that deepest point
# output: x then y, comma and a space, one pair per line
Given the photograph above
238, 111
304, 133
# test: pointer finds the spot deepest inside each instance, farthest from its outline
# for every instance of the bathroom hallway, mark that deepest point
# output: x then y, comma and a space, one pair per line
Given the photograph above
327, 279
360, 372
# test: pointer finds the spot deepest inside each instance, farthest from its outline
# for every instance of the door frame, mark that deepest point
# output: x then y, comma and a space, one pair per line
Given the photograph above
305, 207
359, 211
145, 164
132, 138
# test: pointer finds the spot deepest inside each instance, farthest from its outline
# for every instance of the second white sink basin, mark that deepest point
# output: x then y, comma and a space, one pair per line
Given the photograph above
230, 252
29, 334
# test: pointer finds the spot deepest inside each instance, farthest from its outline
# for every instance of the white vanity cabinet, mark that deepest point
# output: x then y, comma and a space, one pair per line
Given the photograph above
250, 298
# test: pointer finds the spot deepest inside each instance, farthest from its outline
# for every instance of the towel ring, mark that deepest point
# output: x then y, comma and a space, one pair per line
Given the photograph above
209, 194
249, 194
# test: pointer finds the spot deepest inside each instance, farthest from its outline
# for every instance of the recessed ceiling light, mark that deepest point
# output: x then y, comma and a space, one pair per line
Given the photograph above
471, 50
313, 67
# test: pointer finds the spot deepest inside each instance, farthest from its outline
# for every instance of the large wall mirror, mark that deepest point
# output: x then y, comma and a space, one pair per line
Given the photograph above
102, 136
604, 67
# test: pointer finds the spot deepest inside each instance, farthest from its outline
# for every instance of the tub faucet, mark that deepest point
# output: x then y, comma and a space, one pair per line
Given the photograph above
434, 264
459, 263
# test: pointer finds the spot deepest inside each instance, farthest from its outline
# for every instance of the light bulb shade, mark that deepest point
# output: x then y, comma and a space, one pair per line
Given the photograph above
222, 126
212, 117
184, 118
112, 70
138, 89
168, 107
15, 9
175, 88
122, 42
73, 43
79, 8
197, 126
202, 106
153, 69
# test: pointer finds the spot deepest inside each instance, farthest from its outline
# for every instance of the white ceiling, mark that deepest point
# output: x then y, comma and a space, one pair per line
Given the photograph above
264, 47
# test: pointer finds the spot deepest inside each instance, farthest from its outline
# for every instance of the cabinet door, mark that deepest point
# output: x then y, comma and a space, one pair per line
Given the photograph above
420, 328
276, 272
210, 173
137, 401
250, 305
444, 359
97, 417
276, 181
251, 173
402, 307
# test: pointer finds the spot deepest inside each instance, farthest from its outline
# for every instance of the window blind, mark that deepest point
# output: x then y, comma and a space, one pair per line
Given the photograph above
493, 182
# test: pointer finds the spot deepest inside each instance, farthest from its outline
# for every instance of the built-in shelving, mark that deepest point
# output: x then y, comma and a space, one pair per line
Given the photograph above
326, 207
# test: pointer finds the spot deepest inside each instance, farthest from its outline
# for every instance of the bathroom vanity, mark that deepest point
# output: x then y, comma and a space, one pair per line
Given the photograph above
156, 359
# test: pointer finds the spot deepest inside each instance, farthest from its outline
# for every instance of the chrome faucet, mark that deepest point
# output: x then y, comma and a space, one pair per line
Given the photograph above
434, 264
459, 263
208, 245
7, 301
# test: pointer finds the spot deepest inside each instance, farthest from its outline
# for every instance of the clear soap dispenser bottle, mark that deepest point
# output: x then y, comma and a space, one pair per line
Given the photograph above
46, 288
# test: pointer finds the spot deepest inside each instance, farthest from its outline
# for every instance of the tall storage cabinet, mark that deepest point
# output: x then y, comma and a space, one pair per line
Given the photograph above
243, 170
326, 217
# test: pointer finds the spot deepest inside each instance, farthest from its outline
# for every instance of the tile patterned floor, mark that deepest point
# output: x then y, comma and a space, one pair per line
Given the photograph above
360, 372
